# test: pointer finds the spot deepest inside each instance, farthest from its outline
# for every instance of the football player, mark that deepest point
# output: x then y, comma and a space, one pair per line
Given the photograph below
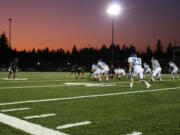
118, 72
147, 68
73, 70
174, 71
95, 71
13, 68
104, 70
135, 68
111, 71
80, 72
156, 69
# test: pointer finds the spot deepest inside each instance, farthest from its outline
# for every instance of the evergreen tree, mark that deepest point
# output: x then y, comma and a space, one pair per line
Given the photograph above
169, 51
149, 53
5, 50
75, 55
104, 53
159, 50
132, 49
117, 53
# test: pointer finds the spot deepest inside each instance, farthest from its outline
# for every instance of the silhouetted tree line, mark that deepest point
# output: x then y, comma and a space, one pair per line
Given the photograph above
52, 59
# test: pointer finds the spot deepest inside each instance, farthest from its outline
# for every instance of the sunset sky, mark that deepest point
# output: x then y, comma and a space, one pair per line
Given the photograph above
85, 23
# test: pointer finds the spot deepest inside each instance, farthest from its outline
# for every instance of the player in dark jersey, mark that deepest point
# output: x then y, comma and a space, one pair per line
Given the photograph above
111, 71
80, 72
73, 70
13, 68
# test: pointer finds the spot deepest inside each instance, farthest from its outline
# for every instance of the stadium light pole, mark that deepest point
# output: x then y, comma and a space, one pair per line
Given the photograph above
10, 20
113, 10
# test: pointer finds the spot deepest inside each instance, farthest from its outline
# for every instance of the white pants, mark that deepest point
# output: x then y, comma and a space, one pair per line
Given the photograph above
148, 70
137, 72
119, 71
97, 72
175, 70
105, 70
156, 71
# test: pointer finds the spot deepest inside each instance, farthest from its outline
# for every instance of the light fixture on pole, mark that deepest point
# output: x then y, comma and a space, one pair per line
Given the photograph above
113, 10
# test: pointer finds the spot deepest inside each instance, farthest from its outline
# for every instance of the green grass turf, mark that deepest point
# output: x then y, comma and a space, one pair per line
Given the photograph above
153, 113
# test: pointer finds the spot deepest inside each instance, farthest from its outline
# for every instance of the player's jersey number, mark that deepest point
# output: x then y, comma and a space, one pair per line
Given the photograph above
136, 62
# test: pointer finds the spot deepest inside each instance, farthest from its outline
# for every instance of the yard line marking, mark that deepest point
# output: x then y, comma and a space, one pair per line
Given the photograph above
31, 128
73, 125
19, 81
88, 96
15, 109
135, 133
88, 84
41, 86
39, 116
61, 85
16, 81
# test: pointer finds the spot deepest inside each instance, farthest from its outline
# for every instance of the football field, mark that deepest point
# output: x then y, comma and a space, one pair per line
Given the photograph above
54, 103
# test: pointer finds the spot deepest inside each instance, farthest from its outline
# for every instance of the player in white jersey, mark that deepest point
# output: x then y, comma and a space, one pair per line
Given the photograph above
135, 68
95, 71
156, 69
174, 70
118, 72
147, 68
104, 69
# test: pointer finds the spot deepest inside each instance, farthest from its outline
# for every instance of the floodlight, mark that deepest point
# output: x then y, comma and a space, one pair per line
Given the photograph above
114, 9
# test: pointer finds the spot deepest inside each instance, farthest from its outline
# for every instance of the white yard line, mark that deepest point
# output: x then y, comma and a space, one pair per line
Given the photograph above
15, 109
30, 128
69, 84
41, 86
63, 85
88, 84
88, 96
18, 81
135, 133
39, 116
73, 125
